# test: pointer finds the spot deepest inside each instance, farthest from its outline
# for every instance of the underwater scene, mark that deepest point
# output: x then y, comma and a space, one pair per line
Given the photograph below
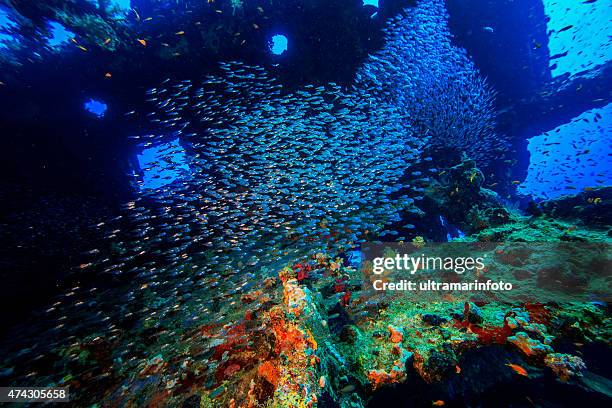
306, 203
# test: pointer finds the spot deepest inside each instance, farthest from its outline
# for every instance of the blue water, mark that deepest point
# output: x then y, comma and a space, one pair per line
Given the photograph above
95, 107
119, 7
279, 44
59, 35
587, 43
571, 157
7, 25
157, 172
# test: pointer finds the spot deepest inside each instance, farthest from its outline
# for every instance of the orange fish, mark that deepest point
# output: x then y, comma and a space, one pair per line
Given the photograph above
108, 40
438, 403
518, 369
458, 369
143, 42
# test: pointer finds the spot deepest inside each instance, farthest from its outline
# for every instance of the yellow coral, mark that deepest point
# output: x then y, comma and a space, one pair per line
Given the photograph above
418, 241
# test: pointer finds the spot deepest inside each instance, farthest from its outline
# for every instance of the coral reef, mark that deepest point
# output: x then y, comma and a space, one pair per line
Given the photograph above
592, 207
458, 193
310, 334
564, 365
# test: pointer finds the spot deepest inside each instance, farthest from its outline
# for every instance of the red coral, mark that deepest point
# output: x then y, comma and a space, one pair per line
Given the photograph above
492, 334
346, 298
538, 313
226, 370
234, 340
340, 285
206, 330
486, 334
302, 270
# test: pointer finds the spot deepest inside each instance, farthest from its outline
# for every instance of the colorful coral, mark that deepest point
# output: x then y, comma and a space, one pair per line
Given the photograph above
528, 346
565, 365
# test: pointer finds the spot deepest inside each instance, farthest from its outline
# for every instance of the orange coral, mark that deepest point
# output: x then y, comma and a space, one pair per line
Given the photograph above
379, 377
269, 371
395, 335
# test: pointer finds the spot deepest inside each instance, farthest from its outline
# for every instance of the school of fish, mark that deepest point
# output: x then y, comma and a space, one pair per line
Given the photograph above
435, 85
